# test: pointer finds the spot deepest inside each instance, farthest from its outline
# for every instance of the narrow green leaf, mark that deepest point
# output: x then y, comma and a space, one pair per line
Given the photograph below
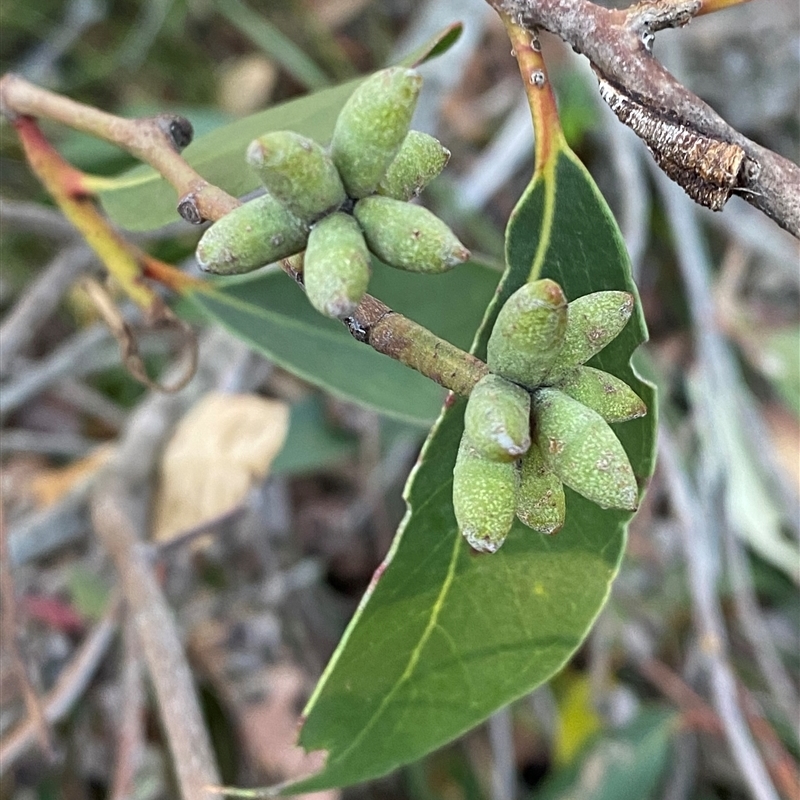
273, 42
444, 637
436, 46
625, 764
140, 199
273, 315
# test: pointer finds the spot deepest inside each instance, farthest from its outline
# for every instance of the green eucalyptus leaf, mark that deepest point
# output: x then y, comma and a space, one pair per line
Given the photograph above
140, 199
444, 636
271, 313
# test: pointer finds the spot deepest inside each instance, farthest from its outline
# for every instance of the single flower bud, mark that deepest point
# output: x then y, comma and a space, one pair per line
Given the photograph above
336, 266
259, 232
298, 172
541, 504
408, 237
528, 333
420, 159
580, 448
484, 497
371, 127
594, 320
606, 394
497, 420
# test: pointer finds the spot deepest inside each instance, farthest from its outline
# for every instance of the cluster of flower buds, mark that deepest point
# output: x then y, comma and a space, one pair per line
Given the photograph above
539, 420
343, 203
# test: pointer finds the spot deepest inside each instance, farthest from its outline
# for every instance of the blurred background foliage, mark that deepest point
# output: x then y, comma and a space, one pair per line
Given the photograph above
263, 598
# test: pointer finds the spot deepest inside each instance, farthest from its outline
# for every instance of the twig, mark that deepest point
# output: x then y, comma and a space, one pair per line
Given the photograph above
42, 532
35, 218
72, 357
180, 540
40, 299
778, 683
91, 401
68, 689
782, 765
394, 335
10, 622
128, 343
114, 514
155, 140
697, 713
616, 42
118, 513
60, 443
708, 620
90, 350
130, 723
501, 740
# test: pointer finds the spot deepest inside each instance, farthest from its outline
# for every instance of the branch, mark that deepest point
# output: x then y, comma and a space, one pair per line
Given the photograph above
617, 43
114, 512
10, 621
70, 686
156, 140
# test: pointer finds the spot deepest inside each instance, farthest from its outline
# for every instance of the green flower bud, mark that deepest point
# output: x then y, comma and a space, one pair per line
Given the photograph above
298, 172
527, 336
606, 394
420, 159
541, 502
594, 321
407, 236
252, 235
580, 448
336, 267
371, 127
497, 420
484, 497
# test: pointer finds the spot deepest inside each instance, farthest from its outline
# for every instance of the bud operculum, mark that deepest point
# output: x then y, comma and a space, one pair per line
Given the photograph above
420, 159
408, 237
580, 448
606, 394
541, 504
259, 232
298, 172
528, 333
497, 419
336, 267
484, 497
371, 128
594, 320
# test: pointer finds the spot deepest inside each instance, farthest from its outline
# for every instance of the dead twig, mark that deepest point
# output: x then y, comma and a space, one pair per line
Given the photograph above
618, 44
68, 689
694, 521
118, 523
10, 623
130, 723
700, 715
40, 300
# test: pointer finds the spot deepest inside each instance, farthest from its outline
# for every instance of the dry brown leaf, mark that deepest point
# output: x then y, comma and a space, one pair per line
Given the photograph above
222, 446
